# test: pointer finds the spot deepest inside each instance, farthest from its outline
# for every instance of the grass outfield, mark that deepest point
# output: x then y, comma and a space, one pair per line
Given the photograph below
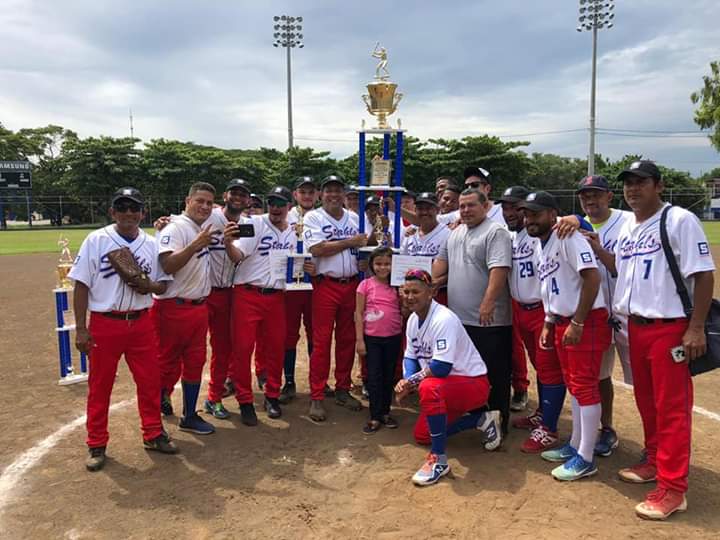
45, 240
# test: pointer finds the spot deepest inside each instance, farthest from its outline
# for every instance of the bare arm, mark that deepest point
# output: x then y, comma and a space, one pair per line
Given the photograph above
440, 272
172, 261
329, 248
694, 339
360, 323
83, 340
497, 281
588, 293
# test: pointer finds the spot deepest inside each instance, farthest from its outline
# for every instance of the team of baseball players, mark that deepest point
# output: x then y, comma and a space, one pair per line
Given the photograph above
579, 289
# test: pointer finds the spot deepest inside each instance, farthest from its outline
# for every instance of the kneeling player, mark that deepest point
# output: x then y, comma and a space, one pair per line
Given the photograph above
443, 365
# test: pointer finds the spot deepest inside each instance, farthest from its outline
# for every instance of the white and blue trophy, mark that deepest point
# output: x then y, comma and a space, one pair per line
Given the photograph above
296, 279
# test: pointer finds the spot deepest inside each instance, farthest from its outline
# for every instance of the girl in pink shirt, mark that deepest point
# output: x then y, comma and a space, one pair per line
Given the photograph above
378, 328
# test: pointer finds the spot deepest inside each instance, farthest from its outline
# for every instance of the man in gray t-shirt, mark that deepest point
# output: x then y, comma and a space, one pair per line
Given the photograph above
475, 264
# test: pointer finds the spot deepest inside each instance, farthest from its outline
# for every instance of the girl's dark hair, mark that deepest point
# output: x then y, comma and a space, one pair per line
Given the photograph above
381, 251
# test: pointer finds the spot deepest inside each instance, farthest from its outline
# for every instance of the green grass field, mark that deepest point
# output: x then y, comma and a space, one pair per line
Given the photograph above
45, 240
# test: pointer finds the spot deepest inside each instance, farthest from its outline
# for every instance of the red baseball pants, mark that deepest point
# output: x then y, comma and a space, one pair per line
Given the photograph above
298, 304
219, 323
581, 363
664, 396
333, 304
257, 318
529, 324
136, 340
453, 395
182, 335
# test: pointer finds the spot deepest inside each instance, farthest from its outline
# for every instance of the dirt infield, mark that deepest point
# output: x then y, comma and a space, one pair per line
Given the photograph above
292, 478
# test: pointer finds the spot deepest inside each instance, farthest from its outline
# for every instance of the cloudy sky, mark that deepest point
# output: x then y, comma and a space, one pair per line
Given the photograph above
206, 71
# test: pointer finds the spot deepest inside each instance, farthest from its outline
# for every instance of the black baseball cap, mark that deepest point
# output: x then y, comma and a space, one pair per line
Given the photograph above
352, 190
408, 193
427, 197
538, 201
129, 193
280, 192
453, 188
372, 199
595, 182
256, 197
238, 183
643, 168
332, 179
304, 181
476, 171
514, 194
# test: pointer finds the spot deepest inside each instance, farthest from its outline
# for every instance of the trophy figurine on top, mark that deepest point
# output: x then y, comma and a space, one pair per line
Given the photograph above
296, 279
64, 264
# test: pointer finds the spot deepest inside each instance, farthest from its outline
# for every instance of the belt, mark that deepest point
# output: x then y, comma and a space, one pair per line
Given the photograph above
124, 315
221, 288
343, 280
643, 321
557, 319
262, 290
530, 307
192, 302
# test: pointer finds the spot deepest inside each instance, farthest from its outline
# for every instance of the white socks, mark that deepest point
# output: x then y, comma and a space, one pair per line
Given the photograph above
589, 420
576, 424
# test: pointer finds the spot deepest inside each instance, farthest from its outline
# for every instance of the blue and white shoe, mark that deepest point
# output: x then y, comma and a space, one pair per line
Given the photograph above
489, 425
559, 455
574, 469
607, 442
217, 409
195, 424
434, 468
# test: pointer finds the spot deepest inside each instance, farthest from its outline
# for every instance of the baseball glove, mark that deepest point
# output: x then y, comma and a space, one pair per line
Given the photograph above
124, 263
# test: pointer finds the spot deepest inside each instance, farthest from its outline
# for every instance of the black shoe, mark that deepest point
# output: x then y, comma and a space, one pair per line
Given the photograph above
329, 392
272, 406
287, 394
247, 414
96, 459
519, 401
162, 444
166, 405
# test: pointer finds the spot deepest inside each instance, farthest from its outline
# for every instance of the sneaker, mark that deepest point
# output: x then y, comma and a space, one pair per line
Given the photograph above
529, 422
317, 411
162, 444
247, 414
519, 401
540, 439
489, 425
195, 424
389, 422
287, 394
217, 409
434, 468
559, 455
96, 459
642, 473
166, 405
607, 442
261, 380
574, 469
344, 399
329, 392
661, 504
272, 406
229, 388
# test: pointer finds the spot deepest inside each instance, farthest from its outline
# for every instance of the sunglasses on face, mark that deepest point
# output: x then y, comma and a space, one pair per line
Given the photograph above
256, 205
124, 206
475, 185
276, 203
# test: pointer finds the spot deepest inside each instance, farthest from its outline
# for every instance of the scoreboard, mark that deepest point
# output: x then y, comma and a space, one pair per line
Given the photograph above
15, 174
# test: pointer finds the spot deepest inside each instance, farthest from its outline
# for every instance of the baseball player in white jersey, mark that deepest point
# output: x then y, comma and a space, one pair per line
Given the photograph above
181, 314
259, 302
119, 324
663, 338
478, 178
449, 374
577, 328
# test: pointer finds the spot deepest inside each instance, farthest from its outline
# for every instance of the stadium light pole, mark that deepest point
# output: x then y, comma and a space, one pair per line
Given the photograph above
287, 34
594, 15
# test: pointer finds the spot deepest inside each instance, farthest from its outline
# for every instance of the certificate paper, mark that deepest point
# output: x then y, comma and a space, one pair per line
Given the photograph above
402, 263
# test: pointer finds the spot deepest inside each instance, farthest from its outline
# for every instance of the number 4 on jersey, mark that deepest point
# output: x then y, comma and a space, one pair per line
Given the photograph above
554, 286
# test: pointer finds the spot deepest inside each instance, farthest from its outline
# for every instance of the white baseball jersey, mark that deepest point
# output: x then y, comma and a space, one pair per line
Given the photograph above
494, 214
559, 263
107, 292
222, 269
426, 245
524, 282
449, 218
644, 285
192, 281
319, 226
293, 218
255, 268
442, 337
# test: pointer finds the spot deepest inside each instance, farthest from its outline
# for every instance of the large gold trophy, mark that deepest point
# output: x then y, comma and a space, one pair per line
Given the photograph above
382, 98
296, 279
64, 265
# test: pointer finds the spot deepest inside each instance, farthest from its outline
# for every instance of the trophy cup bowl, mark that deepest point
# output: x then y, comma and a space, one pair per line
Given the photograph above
382, 100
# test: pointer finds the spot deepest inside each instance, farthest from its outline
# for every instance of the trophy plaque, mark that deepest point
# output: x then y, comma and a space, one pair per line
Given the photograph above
296, 279
380, 170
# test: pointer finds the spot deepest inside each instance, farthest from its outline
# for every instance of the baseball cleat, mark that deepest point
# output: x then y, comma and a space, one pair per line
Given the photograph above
540, 439
195, 424
661, 503
317, 411
519, 401
166, 406
642, 473
489, 426
329, 392
434, 468
607, 442
162, 443
559, 455
574, 469
272, 406
247, 414
529, 422
217, 409
344, 399
287, 394
96, 459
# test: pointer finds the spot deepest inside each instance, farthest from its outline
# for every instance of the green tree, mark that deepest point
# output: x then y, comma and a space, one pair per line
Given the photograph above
707, 114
